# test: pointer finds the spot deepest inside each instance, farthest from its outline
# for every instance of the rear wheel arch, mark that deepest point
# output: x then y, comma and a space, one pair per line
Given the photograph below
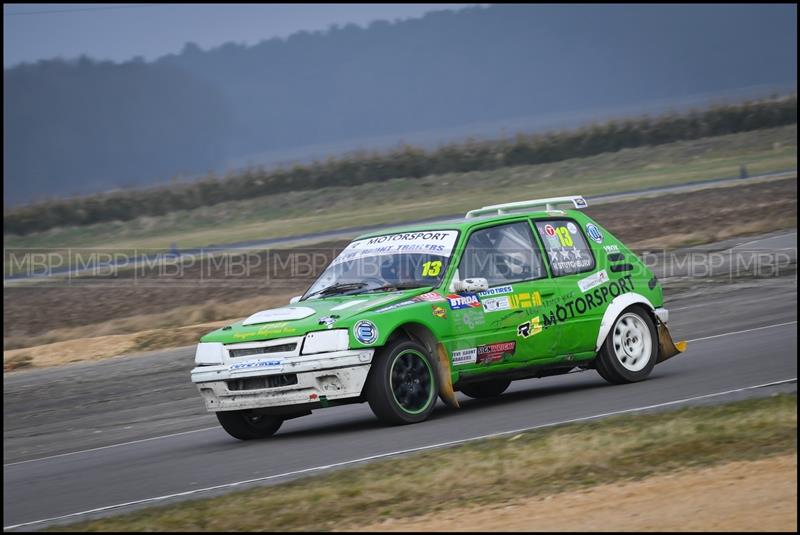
615, 308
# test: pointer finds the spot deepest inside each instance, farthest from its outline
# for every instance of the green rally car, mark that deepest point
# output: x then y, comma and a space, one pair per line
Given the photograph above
404, 316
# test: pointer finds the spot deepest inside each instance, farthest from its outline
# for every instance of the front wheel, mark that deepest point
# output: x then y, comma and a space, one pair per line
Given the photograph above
245, 425
402, 385
631, 348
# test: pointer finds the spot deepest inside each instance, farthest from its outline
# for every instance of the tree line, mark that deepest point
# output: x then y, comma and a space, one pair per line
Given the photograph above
405, 161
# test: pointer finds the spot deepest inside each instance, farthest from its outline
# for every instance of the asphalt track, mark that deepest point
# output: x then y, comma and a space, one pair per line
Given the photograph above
92, 439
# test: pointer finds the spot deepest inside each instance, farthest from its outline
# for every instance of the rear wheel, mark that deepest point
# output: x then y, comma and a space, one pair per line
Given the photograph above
245, 425
631, 348
485, 389
402, 385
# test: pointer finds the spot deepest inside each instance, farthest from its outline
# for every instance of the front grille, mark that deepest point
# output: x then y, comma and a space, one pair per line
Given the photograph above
268, 381
283, 348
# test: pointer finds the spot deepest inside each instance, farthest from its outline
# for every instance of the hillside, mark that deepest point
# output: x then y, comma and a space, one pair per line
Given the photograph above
76, 127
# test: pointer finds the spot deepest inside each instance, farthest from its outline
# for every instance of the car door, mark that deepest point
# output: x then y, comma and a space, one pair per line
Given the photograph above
497, 328
572, 310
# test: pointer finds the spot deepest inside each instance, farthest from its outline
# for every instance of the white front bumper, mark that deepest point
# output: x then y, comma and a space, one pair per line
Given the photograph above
320, 377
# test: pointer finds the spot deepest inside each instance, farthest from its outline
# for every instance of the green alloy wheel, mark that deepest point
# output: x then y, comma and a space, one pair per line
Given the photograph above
402, 386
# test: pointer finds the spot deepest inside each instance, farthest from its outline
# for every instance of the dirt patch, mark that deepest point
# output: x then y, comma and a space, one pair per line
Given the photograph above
102, 347
741, 496
664, 221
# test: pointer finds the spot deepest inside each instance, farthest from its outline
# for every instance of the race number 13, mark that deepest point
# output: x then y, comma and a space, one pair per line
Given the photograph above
432, 268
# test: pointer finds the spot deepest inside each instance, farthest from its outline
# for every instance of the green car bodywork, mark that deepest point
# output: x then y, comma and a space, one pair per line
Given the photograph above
543, 310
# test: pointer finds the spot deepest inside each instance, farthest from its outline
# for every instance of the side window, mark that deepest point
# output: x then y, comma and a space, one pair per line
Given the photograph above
566, 247
502, 255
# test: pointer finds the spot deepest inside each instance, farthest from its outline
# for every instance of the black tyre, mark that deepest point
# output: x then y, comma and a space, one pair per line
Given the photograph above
486, 389
245, 425
402, 386
631, 348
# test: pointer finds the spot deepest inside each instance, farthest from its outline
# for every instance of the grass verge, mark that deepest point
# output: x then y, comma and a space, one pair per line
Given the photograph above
499, 470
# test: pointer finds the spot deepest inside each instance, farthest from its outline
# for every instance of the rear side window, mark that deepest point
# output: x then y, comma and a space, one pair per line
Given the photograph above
502, 255
565, 246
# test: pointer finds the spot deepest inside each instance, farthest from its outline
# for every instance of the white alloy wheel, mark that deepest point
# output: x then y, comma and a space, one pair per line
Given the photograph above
632, 342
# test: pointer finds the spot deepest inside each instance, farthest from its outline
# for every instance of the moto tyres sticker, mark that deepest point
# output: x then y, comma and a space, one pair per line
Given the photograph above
496, 291
438, 243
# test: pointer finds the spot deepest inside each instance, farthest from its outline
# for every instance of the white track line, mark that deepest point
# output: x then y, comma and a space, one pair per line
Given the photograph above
394, 453
111, 446
216, 427
744, 331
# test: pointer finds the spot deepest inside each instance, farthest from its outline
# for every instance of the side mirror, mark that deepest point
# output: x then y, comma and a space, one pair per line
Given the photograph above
471, 286
295, 299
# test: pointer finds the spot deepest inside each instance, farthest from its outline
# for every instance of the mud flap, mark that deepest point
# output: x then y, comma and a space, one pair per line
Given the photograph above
446, 391
666, 347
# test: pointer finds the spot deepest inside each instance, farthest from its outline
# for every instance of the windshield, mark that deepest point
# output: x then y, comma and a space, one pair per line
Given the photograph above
389, 262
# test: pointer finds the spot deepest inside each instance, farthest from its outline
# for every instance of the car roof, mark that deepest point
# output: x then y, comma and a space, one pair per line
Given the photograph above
465, 224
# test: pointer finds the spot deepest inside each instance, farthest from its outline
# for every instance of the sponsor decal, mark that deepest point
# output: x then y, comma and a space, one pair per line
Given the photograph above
464, 356
439, 312
526, 300
279, 314
458, 302
271, 329
594, 233
268, 364
611, 248
438, 243
580, 202
582, 304
493, 304
328, 321
473, 318
549, 230
313, 396
572, 228
495, 352
430, 296
593, 280
365, 332
531, 327
496, 291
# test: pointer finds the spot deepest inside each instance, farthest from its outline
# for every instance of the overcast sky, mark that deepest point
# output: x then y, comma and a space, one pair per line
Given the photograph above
120, 32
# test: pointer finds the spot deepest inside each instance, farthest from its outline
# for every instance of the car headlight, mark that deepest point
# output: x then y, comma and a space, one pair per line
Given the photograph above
325, 341
209, 353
